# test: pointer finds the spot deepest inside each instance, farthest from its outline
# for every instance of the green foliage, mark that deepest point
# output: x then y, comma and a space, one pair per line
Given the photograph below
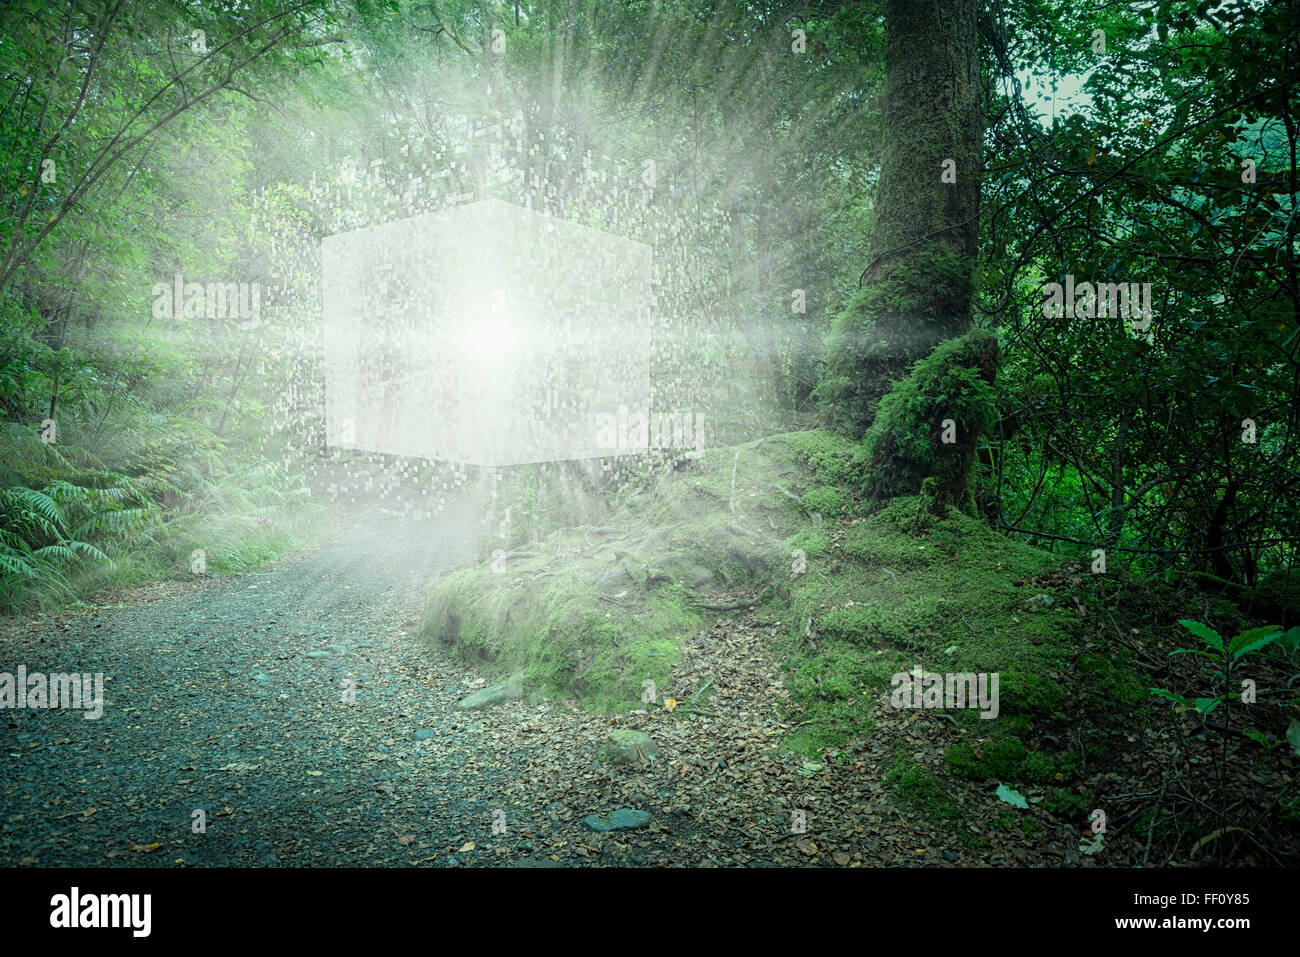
129, 90
1111, 435
1279, 591
35, 548
90, 525
1225, 657
118, 182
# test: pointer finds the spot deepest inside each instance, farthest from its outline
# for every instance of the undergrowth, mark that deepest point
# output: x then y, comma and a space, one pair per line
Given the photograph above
141, 506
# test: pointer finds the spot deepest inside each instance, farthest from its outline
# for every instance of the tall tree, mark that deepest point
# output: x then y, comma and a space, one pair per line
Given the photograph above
902, 364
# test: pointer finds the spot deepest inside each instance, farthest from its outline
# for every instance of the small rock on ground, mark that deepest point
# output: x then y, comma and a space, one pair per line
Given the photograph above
619, 820
628, 748
507, 690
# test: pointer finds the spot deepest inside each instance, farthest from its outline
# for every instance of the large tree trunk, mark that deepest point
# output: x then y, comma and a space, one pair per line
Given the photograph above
918, 281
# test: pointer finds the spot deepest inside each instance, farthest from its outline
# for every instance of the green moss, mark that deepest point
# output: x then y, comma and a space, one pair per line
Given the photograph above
1114, 681
1026, 693
960, 759
942, 597
579, 615
839, 672
561, 637
833, 691
830, 724
811, 541
578, 610
999, 758
830, 676
866, 625
1016, 725
832, 459
824, 501
918, 788
1002, 757
1070, 805
865, 543
908, 514
951, 387
1039, 767
930, 287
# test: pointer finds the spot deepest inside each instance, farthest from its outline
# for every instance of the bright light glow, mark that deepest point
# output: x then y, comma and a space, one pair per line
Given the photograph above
487, 333
490, 341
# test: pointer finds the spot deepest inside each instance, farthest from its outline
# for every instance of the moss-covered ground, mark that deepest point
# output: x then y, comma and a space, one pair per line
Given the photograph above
856, 597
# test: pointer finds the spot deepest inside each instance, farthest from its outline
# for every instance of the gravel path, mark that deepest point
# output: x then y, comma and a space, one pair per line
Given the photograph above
228, 696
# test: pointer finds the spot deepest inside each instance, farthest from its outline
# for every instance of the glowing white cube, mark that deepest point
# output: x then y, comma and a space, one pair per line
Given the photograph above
487, 334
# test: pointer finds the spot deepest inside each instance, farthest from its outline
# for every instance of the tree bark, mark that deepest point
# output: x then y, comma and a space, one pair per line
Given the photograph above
906, 369
918, 281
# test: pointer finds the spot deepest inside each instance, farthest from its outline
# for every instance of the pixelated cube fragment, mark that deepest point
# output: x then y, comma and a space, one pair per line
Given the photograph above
488, 334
